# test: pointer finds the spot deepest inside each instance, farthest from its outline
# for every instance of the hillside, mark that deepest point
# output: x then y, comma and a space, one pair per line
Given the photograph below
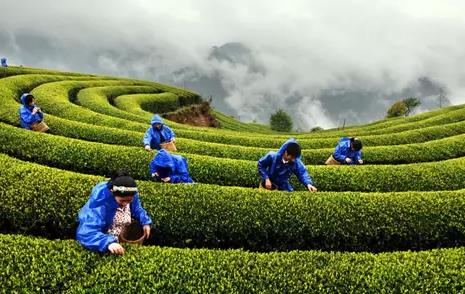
395, 224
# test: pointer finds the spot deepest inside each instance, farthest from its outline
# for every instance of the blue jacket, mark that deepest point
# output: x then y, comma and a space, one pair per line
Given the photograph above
271, 166
179, 170
96, 217
26, 118
152, 135
3, 61
343, 151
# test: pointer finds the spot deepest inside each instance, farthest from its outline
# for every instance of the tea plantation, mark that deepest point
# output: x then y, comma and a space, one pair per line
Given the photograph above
395, 224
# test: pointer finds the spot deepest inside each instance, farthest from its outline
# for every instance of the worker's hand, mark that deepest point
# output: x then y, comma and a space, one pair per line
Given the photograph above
360, 161
348, 160
155, 174
268, 184
311, 188
147, 147
34, 111
166, 180
146, 229
116, 248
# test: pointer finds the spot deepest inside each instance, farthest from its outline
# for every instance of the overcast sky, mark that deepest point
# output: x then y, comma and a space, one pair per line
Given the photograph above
322, 61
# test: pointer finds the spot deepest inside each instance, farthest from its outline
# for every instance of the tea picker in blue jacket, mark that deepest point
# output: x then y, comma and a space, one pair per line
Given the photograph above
3, 62
157, 134
169, 168
110, 209
348, 151
275, 168
30, 115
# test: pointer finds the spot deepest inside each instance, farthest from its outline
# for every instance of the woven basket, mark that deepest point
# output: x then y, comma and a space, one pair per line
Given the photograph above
169, 146
39, 127
133, 234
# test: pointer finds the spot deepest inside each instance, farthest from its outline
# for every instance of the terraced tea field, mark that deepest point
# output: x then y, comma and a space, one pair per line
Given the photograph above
395, 224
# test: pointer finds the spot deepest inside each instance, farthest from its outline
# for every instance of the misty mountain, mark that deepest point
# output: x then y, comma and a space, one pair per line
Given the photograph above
231, 74
355, 106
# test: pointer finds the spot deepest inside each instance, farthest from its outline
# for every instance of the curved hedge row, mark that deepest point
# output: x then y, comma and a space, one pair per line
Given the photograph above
54, 99
436, 150
44, 201
437, 117
55, 96
67, 128
252, 153
449, 117
365, 129
144, 105
157, 103
413, 136
409, 136
406, 137
98, 99
12, 71
385, 123
62, 266
422, 135
11, 89
115, 136
103, 159
455, 116
14, 86
40, 200
15, 71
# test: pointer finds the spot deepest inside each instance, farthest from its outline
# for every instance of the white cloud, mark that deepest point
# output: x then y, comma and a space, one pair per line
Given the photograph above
304, 46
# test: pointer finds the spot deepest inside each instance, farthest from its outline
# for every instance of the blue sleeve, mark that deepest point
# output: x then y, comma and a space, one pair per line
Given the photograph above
170, 133
90, 232
263, 164
40, 115
27, 116
147, 137
139, 212
302, 174
359, 155
340, 152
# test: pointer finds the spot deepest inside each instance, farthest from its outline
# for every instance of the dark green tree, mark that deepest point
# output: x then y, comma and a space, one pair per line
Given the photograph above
411, 104
281, 121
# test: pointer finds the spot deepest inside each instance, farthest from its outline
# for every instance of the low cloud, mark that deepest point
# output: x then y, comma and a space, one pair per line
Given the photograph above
322, 61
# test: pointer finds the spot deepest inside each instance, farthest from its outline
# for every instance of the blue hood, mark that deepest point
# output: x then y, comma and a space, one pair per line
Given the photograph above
156, 119
164, 159
23, 98
283, 148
